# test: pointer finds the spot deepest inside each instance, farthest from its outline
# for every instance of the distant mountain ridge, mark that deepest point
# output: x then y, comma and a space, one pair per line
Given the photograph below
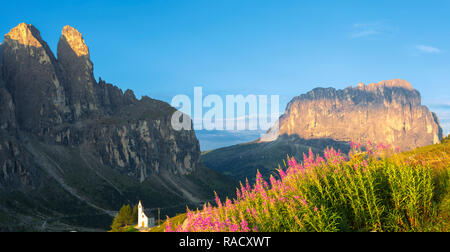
71, 146
388, 112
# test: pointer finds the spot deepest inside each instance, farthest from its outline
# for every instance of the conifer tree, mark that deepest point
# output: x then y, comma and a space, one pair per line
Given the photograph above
123, 218
127, 215
117, 225
135, 214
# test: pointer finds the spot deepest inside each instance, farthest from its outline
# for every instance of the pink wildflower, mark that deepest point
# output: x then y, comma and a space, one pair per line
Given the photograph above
168, 226
238, 194
282, 173
304, 202
244, 226
273, 181
218, 202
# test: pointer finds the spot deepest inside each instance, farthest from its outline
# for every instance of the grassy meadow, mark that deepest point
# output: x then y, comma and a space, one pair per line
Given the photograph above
373, 189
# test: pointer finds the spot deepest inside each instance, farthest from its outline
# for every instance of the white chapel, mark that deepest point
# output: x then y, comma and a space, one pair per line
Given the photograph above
143, 220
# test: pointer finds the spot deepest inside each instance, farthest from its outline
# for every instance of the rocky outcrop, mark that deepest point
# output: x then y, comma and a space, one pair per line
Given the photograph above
388, 112
7, 111
62, 131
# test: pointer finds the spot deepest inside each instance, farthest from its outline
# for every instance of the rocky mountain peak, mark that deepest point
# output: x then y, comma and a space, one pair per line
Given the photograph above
388, 112
25, 34
75, 40
74, 59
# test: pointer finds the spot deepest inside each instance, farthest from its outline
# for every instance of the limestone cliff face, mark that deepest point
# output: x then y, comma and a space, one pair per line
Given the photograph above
100, 145
388, 112
31, 75
73, 56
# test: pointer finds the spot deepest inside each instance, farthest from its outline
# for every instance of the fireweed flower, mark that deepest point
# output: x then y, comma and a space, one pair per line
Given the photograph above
273, 182
365, 164
292, 163
282, 173
244, 226
218, 202
228, 203
303, 201
169, 226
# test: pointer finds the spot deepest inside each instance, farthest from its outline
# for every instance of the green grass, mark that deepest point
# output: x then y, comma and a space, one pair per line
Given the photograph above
131, 229
437, 159
175, 221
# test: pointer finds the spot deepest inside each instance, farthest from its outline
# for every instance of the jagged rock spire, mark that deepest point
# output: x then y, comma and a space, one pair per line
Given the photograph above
75, 40
73, 57
25, 34
73, 49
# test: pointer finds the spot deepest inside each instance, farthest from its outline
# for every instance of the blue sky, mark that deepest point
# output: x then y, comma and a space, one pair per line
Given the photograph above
162, 48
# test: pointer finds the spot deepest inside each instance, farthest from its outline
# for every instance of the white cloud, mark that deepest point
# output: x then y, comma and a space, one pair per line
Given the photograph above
360, 30
428, 49
364, 33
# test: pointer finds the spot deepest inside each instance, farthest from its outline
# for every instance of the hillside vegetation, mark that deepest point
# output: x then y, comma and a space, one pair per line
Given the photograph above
375, 189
